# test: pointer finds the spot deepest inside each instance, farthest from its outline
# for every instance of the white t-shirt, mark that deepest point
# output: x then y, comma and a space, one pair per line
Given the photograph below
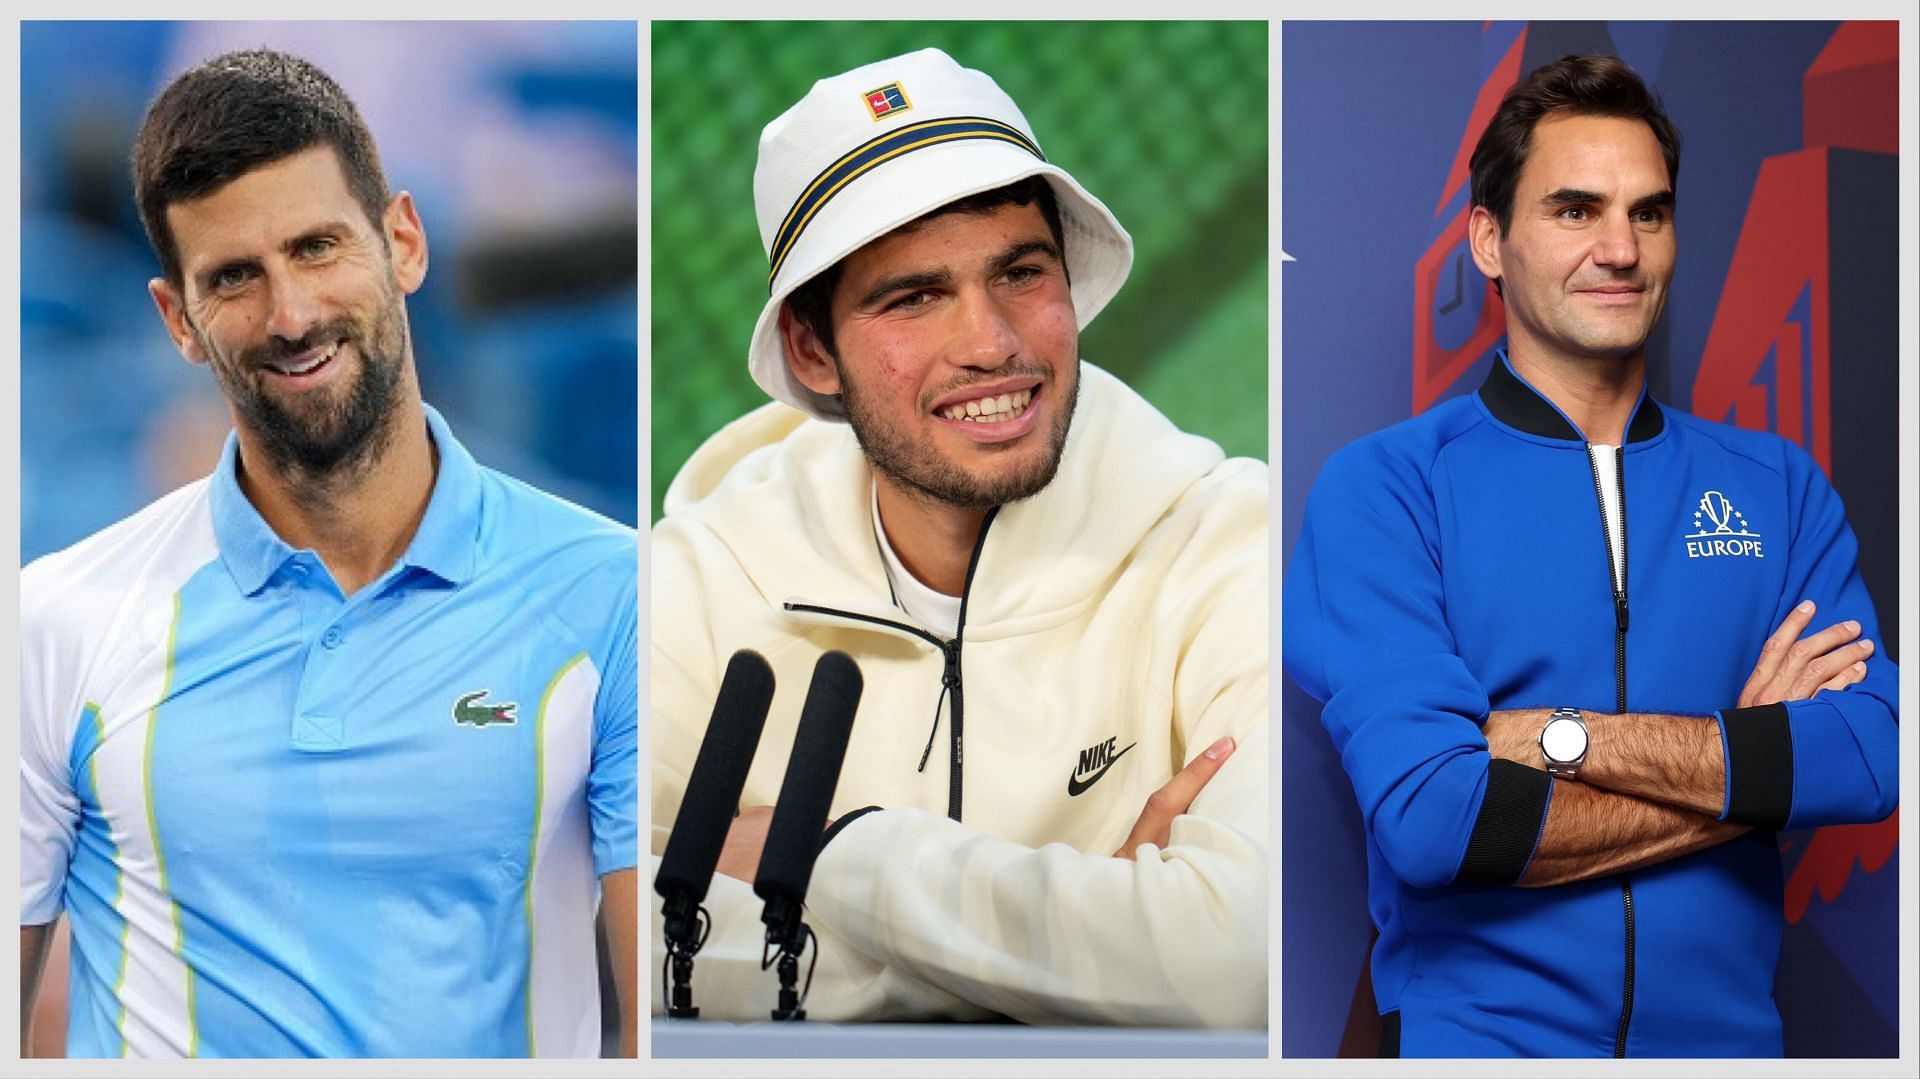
936, 612
1606, 463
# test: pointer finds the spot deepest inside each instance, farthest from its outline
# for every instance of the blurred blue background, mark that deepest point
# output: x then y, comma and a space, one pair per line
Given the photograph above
519, 143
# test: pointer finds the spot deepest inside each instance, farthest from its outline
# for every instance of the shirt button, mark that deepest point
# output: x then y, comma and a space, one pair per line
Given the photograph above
300, 569
332, 638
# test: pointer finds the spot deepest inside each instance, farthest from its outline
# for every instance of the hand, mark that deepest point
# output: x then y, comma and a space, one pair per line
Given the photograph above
1793, 669
1156, 819
746, 838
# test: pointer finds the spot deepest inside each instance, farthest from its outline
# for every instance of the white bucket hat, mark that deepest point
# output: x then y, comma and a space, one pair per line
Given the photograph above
879, 146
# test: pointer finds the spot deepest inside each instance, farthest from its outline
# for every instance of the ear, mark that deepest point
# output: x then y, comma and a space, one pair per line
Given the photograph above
407, 240
807, 355
173, 312
1483, 239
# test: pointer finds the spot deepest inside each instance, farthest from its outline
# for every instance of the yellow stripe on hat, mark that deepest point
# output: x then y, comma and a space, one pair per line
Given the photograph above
873, 153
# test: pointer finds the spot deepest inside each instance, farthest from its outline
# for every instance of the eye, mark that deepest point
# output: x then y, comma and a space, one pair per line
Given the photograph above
229, 278
313, 246
1024, 275
912, 301
1575, 213
1650, 215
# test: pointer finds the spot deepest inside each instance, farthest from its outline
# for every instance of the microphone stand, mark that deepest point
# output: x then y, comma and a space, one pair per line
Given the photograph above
711, 799
787, 937
794, 834
686, 930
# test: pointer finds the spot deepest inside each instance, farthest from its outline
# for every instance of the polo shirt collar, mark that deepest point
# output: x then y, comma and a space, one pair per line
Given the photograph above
445, 545
1517, 404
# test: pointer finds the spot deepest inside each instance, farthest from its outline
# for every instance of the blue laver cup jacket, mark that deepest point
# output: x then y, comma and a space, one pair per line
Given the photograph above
1456, 564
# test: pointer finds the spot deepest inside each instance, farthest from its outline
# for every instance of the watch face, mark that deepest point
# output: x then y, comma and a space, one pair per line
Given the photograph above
1563, 740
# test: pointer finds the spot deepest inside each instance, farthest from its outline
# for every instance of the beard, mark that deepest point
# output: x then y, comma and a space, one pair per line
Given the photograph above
922, 471
323, 435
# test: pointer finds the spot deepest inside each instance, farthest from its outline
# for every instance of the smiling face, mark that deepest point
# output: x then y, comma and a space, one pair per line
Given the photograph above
294, 299
1590, 250
958, 355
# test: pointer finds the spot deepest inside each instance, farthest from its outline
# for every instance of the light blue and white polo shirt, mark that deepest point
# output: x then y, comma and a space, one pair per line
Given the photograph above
286, 822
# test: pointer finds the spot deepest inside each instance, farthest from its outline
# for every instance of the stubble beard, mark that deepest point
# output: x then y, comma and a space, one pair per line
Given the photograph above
332, 438
921, 472
1555, 326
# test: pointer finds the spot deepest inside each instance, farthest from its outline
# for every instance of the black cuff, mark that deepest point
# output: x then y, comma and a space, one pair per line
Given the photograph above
1508, 827
1759, 765
842, 823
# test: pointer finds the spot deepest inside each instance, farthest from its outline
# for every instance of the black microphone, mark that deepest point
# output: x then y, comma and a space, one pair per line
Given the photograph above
800, 818
707, 810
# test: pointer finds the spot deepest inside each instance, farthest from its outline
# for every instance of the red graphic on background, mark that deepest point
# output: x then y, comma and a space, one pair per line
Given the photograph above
1436, 368
1830, 857
1783, 255
1851, 88
1782, 252
1505, 74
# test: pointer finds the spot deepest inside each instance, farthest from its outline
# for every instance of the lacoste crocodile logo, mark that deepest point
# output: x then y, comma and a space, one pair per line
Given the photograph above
471, 711
1094, 762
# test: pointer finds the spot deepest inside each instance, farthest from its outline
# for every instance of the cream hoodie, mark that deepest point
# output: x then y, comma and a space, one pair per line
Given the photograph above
1123, 609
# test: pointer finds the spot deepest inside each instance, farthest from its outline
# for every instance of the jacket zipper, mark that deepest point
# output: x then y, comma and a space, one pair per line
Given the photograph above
949, 650
1618, 583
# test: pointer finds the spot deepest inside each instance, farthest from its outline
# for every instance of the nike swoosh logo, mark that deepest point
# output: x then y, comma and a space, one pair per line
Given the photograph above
1077, 786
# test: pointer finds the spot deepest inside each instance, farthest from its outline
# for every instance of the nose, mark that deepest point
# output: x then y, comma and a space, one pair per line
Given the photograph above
985, 336
291, 307
1617, 245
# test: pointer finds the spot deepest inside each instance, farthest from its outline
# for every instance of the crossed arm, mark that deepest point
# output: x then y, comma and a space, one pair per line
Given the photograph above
1653, 787
896, 940
747, 835
1452, 792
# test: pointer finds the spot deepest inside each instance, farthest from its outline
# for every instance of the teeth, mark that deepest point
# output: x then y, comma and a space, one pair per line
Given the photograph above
998, 409
286, 368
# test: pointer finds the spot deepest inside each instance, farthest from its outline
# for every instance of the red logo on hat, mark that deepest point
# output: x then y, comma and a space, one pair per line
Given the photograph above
887, 100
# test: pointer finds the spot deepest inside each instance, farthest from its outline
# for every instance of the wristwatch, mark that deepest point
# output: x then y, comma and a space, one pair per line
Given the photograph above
1563, 742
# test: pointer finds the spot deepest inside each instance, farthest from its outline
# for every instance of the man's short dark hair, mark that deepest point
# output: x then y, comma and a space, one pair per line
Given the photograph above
234, 113
812, 302
1574, 86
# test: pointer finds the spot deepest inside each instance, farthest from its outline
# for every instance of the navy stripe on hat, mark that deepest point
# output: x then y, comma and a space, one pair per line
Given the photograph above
875, 152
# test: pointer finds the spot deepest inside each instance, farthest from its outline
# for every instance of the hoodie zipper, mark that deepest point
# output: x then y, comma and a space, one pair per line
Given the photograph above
1617, 581
950, 652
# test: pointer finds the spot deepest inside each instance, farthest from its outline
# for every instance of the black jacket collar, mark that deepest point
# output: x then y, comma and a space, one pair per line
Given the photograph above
1521, 407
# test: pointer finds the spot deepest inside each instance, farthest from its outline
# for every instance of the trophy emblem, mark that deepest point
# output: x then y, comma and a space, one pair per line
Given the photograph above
1714, 517
1718, 510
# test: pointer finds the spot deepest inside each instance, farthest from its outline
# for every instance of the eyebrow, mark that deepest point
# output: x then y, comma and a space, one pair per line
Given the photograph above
907, 282
1021, 250
1648, 202
903, 282
1573, 196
